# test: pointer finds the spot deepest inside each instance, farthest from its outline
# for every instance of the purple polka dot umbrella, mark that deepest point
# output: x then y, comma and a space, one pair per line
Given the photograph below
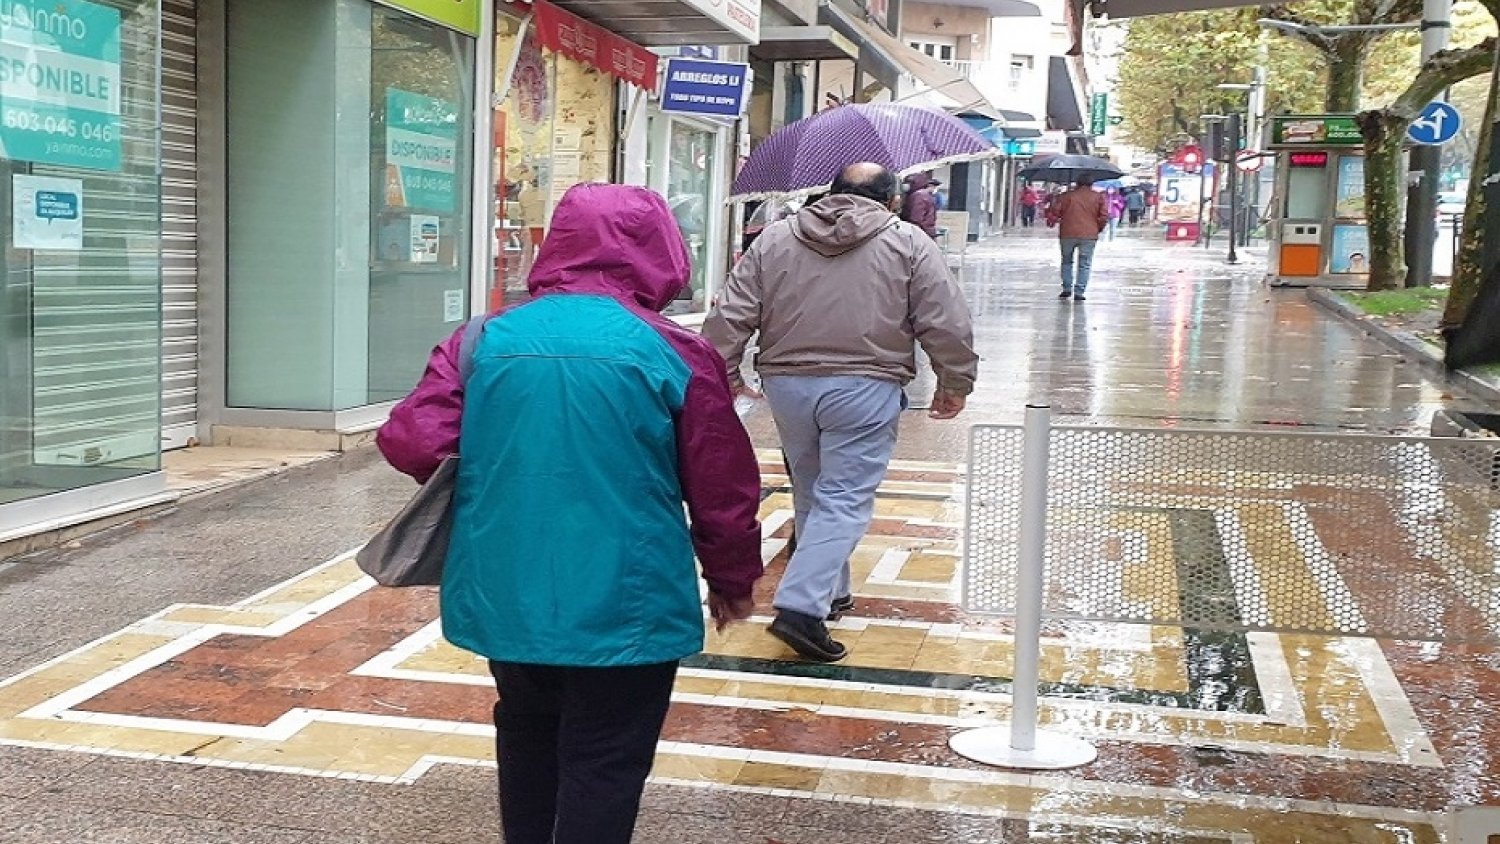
805, 157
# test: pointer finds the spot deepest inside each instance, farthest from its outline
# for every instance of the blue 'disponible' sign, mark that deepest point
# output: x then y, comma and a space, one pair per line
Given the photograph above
695, 86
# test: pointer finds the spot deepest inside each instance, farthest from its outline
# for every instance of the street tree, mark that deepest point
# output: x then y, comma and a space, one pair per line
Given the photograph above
1384, 132
1468, 267
1171, 66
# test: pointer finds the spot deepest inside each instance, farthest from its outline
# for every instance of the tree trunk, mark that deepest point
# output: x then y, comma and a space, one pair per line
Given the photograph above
1383, 133
1346, 70
1468, 270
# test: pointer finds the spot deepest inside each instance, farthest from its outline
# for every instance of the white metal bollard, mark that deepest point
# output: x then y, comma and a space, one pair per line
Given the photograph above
1021, 744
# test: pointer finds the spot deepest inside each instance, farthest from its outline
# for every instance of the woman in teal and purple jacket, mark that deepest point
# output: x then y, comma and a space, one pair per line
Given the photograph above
587, 420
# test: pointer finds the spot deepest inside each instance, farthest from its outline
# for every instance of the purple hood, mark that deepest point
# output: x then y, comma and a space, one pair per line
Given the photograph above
617, 240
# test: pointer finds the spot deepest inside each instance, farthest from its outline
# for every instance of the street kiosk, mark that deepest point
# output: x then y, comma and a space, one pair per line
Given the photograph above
1318, 233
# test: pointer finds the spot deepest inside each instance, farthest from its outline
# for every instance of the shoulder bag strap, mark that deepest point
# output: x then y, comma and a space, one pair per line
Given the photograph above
472, 331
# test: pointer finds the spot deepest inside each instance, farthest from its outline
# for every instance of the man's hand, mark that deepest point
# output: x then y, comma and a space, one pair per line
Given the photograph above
726, 611
947, 405
745, 390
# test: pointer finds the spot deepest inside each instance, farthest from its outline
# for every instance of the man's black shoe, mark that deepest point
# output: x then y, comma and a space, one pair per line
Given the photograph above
1081, 298
840, 606
1066, 294
808, 636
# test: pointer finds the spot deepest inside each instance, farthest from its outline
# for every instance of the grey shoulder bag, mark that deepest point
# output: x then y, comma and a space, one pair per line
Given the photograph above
410, 551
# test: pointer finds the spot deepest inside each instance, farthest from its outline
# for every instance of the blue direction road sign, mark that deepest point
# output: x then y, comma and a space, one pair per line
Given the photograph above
1438, 124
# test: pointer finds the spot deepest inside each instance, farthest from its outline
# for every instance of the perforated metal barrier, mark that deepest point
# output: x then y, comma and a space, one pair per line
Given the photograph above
1292, 532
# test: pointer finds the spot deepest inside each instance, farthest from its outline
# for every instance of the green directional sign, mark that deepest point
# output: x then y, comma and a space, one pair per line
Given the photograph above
1099, 114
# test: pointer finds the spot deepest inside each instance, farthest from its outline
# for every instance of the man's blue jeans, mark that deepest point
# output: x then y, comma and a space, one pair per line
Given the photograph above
1084, 247
838, 432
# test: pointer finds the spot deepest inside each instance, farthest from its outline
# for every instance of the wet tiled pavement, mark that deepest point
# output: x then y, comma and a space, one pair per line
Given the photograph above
209, 677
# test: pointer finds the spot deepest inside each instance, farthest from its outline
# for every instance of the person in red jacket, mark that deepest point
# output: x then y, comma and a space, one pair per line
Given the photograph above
1082, 213
920, 208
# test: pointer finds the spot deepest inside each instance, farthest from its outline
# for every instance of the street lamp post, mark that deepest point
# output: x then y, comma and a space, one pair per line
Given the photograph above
1254, 113
1425, 163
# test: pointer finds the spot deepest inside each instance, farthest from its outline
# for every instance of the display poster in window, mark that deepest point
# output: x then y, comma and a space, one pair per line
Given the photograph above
421, 152
60, 83
47, 213
425, 231
453, 305
1350, 199
1350, 250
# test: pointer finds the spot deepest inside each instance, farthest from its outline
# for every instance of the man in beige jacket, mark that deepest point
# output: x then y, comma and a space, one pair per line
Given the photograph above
840, 294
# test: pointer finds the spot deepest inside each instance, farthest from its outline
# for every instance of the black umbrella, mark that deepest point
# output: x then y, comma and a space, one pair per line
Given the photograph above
1067, 168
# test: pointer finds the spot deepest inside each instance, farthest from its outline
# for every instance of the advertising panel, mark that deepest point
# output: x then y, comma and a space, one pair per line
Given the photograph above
1293, 130
1350, 252
1349, 201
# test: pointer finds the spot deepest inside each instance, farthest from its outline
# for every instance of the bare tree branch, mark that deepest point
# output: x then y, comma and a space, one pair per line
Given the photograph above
1309, 33
1443, 69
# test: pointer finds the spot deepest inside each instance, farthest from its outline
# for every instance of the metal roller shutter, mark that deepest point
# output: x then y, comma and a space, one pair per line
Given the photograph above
96, 310
179, 213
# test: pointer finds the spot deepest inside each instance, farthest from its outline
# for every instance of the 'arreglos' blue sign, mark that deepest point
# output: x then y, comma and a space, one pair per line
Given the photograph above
695, 86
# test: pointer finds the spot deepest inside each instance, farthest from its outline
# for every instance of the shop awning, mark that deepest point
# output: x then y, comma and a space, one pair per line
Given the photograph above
674, 23
803, 44
1062, 99
988, 128
887, 59
563, 32
1020, 125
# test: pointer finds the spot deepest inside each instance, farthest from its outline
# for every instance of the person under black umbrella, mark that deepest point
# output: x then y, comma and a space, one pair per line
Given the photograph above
1082, 214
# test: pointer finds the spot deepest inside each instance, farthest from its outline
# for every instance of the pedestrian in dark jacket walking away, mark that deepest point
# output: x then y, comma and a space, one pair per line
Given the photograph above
920, 208
841, 294
586, 422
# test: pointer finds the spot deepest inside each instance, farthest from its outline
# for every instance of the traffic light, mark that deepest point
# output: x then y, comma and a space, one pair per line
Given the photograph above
1218, 142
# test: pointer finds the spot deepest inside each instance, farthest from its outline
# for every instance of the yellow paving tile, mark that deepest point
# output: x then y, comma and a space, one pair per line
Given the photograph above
765, 775
928, 567
697, 768
215, 615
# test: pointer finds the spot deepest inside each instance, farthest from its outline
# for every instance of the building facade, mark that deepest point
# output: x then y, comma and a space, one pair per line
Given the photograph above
247, 221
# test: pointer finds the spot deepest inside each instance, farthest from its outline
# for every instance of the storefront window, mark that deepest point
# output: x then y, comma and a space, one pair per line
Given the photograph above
80, 294
350, 132
554, 129
690, 187
421, 126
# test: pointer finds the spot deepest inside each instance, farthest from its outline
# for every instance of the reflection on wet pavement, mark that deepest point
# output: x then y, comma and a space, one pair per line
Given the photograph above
1170, 335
